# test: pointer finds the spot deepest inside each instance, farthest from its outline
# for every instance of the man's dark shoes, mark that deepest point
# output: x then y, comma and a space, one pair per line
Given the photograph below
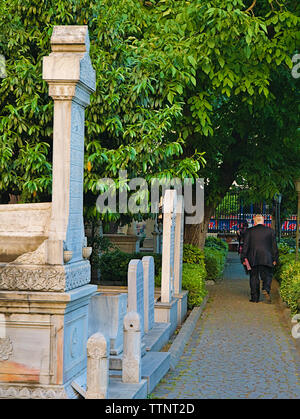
267, 297
253, 300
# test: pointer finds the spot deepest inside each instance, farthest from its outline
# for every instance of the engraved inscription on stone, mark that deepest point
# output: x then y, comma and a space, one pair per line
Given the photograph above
148, 265
136, 289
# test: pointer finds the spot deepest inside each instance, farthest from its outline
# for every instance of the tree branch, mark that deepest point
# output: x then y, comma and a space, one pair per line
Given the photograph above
251, 7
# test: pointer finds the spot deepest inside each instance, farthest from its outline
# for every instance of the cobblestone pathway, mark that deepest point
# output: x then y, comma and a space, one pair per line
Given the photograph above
237, 350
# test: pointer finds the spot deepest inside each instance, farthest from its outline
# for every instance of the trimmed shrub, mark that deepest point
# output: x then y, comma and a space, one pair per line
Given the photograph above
192, 254
157, 259
284, 258
286, 246
214, 263
214, 256
198, 266
193, 280
100, 245
114, 265
290, 282
217, 244
215, 253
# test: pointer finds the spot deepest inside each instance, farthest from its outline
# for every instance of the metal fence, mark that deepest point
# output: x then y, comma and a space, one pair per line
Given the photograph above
233, 211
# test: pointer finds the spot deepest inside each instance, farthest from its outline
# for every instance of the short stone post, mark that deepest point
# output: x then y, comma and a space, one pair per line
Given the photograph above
131, 368
97, 367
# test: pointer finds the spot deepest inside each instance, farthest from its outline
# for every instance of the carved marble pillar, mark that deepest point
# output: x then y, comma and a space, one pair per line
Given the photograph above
97, 367
71, 78
131, 366
44, 298
167, 274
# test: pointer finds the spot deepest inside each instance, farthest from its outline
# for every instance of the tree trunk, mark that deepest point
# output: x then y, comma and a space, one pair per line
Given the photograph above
195, 234
221, 180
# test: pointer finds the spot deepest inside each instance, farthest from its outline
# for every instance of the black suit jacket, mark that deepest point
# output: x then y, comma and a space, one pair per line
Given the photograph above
260, 247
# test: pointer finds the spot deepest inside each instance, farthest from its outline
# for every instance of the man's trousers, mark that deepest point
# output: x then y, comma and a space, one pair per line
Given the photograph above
265, 273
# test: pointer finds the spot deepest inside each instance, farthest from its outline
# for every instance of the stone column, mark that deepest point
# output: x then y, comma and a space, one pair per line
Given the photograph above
43, 297
178, 248
166, 310
131, 366
167, 276
97, 367
71, 80
148, 267
136, 289
178, 255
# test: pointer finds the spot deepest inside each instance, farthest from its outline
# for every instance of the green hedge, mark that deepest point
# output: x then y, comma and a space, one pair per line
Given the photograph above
214, 256
215, 253
214, 263
114, 265
287, 273
193, 280
217, 244
289, 277
284, 258
287, 245
198, 266
192, 254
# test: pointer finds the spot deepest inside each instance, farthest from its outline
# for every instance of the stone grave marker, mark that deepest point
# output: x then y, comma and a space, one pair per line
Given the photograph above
136, 289
45, 292
178, 247
148, 267
167, 278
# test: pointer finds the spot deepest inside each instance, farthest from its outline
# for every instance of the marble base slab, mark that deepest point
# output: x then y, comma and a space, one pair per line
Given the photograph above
115, 361
182, 306
167, 313
157, 337
43, 338
116, 388
154, 367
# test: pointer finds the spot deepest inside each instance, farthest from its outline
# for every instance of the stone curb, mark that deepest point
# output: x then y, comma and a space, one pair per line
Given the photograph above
177, 347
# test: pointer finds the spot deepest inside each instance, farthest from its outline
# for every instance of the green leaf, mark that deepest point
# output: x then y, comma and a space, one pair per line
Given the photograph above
170, 97
221, 61
206, 68
192, 61
288, 62
211, 43
247, 51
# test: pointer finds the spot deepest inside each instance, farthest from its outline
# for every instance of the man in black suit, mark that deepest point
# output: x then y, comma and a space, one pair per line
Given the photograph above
260, 249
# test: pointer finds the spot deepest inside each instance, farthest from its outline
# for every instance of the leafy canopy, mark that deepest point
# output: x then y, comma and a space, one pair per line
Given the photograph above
174, 79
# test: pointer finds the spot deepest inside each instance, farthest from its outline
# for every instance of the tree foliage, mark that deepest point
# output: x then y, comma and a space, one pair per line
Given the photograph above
175, 78
124, 127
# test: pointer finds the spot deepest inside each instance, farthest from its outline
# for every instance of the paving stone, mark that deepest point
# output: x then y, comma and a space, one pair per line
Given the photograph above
237, 350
